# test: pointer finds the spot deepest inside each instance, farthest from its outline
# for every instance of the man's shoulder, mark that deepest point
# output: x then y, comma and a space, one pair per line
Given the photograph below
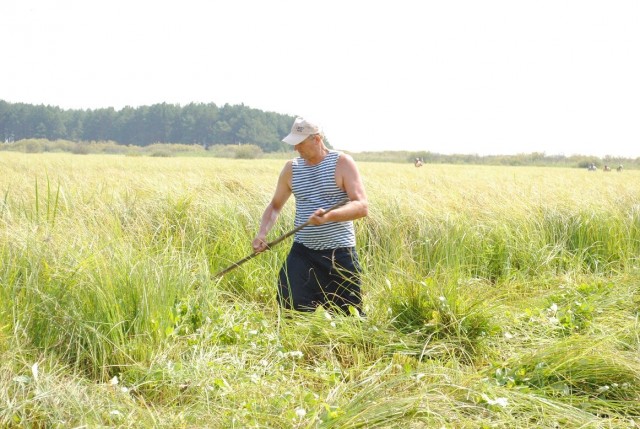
344, 158
288, 167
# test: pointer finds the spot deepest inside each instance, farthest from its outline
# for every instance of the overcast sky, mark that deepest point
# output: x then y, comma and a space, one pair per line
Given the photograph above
467, 76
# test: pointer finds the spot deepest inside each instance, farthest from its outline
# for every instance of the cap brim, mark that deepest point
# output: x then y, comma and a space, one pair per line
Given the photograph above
294, 138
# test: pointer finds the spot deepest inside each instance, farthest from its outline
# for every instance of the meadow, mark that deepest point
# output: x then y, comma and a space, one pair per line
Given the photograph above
495, 297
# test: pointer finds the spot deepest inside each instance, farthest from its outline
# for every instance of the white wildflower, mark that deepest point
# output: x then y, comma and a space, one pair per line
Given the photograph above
554, 307
301, 412
22, 379
114, 381
502, 402
34, 371
508, 336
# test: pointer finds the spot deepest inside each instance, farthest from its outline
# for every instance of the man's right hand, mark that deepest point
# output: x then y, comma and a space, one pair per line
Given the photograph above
259, 244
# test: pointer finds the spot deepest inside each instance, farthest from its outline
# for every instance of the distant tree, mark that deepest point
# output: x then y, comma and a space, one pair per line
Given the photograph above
98, 124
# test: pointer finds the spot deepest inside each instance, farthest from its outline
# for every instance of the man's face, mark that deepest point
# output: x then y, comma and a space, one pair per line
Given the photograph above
304, 145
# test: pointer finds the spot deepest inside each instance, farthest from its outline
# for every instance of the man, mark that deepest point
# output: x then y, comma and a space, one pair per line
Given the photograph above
322, 267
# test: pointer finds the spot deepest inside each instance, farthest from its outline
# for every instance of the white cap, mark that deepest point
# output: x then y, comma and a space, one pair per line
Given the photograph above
300, 130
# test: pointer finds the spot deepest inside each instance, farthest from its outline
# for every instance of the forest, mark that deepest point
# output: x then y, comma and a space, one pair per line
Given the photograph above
195, 123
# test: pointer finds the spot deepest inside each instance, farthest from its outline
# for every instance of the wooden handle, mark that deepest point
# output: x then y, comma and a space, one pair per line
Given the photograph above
277, 240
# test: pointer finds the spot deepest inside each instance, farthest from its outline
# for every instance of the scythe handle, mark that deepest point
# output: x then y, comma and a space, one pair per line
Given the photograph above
276, 241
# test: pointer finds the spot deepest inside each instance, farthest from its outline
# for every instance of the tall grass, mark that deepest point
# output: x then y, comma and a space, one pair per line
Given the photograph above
495, 297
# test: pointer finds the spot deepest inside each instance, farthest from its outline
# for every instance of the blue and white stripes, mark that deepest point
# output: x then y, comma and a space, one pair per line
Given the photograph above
314, 187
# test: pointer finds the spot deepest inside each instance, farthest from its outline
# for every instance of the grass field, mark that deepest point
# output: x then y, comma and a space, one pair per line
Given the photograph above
496, 297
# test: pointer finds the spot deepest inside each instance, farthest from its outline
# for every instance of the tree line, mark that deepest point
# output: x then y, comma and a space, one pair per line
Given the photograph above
195, 123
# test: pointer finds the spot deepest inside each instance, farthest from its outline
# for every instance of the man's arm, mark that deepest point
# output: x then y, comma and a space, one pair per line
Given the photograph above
280, 197
347, 178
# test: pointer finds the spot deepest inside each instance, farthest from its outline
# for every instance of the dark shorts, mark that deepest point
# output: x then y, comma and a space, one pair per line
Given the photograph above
310, 278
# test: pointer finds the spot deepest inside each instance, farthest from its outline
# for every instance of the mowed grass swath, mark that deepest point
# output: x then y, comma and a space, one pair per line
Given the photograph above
495, 297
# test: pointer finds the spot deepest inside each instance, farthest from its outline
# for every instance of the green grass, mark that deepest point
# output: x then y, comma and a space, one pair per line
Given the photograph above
494, 298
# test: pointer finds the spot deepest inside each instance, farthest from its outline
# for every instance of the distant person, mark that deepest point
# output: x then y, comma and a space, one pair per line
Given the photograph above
418, 162
322, 267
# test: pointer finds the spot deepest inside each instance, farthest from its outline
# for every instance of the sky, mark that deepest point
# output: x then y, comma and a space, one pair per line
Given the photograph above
561, 77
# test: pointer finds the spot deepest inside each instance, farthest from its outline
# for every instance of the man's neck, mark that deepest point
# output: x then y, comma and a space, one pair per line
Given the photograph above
317, 157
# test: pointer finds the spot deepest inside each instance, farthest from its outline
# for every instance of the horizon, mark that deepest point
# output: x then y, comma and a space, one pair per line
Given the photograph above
489, 155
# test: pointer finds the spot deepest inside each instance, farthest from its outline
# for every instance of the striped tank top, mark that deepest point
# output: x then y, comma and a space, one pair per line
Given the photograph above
314, 187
